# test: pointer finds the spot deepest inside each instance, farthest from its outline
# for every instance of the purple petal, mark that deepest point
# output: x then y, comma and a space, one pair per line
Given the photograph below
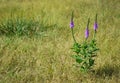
86, 33
71, 24
95, 26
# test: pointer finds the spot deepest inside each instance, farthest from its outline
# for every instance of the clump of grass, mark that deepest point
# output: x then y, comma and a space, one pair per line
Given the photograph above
19, 26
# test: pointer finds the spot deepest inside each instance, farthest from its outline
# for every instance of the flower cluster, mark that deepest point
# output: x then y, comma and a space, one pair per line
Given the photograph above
85, 52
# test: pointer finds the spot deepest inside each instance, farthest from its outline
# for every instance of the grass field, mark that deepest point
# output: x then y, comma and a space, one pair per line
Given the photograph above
45, 57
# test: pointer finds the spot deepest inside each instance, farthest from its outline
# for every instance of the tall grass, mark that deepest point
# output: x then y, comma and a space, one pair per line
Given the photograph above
47, 59
19, 26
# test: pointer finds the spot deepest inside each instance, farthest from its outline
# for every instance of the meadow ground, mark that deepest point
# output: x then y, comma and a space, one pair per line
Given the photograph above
46, 57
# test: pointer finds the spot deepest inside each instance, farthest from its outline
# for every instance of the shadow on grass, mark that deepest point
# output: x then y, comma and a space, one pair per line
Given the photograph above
108, 71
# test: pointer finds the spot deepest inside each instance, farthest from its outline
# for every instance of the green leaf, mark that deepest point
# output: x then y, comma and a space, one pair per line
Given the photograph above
78, 58
91, 62
83, 69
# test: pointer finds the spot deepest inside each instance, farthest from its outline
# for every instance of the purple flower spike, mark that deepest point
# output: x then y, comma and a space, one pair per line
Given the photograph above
95, 26
86, 33
71, 24
87, 29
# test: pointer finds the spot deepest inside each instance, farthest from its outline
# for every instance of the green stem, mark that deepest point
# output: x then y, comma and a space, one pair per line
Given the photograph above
85, 40
73, 35
88, 22
94, 35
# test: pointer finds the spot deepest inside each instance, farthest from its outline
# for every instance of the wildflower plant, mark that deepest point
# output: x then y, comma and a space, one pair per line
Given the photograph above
84, 53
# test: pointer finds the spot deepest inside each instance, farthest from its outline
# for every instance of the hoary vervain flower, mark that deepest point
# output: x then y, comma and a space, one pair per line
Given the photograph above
71, 26
86, 33
87, 30
95, 24
71, 22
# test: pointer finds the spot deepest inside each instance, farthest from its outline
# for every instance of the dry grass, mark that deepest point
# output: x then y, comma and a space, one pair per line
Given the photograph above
46, 58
